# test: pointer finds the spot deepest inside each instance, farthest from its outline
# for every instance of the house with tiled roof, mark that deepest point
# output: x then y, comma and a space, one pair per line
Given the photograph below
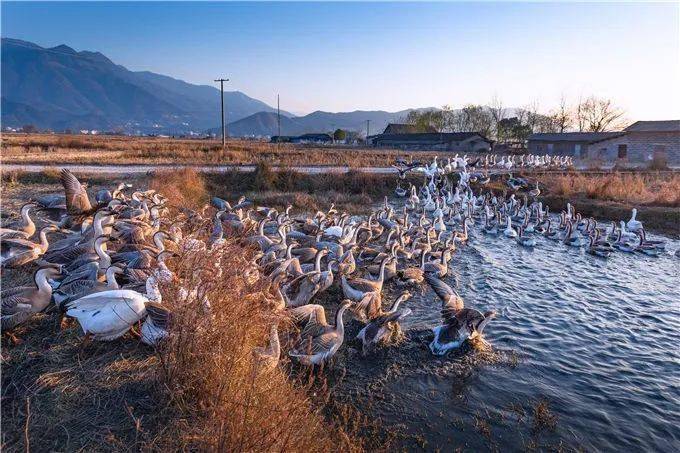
406, 136
641, 142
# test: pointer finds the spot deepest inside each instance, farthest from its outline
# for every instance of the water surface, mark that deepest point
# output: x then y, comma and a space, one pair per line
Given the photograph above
597, 339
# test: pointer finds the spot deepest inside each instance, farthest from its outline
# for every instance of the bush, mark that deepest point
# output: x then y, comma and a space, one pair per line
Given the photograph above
223, 401
185, 187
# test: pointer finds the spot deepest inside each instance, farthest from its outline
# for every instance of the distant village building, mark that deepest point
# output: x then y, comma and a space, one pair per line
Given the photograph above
640, 142
302, 139
566, 144
406, 136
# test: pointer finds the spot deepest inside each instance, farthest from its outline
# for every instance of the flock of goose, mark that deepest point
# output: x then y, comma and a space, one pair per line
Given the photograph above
519, 216
106, 268
487, 162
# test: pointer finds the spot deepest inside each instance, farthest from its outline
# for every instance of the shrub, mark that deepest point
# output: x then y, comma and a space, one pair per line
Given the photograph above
223, 401
185, 187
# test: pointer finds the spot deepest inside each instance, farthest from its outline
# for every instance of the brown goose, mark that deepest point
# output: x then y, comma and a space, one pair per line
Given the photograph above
267, 358
24, 228
381, 327
321, 341
19, 304
356, 288
17, 252
460, 323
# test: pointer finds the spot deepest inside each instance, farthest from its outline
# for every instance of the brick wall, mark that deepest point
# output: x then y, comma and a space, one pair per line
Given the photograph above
640, 147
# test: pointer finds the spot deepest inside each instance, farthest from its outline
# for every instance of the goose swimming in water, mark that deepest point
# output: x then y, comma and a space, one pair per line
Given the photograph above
633, 224
524, 240
509, 231
381, 327
460, 323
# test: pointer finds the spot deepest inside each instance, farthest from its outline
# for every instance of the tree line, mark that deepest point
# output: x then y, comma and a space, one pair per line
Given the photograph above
495, 121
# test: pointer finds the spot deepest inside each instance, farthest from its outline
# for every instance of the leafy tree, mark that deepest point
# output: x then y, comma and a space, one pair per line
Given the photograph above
29, 128
339, 135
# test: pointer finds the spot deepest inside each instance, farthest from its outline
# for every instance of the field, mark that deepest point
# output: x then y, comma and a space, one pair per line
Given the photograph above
118, 150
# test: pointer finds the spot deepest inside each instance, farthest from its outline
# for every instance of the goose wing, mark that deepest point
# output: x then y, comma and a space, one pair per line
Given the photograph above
363, 285
15, 303
320, 344
451, 301
443, 291
160, 315
77, 200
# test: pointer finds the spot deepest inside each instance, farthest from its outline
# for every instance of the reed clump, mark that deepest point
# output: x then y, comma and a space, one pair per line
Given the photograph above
184, 187
221, 398
642, 189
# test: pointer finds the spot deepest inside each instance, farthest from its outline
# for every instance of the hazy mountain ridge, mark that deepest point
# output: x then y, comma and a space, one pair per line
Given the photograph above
60, 88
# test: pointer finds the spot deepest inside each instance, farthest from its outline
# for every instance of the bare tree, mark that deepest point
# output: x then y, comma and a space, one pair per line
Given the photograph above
562, 117
598, 115
497, 112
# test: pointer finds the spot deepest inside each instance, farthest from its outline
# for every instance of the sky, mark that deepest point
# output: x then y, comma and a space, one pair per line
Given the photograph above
385, 56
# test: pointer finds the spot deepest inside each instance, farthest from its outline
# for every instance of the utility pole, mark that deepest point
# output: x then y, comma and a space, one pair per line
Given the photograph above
224, 134
278, 116
368, 123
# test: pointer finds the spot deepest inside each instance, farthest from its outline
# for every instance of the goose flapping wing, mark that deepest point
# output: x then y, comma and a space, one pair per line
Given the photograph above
319, 344
77, 201
451, 301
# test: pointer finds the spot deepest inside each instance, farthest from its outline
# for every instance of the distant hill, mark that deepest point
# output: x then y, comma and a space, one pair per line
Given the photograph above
59, 88
264, 123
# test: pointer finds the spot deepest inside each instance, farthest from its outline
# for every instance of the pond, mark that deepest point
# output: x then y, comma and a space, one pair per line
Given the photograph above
583, 354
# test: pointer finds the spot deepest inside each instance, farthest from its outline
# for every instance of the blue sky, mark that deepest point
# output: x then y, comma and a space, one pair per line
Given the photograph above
348, 56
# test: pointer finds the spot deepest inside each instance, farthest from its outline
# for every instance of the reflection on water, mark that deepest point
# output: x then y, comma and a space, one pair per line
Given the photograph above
597, 339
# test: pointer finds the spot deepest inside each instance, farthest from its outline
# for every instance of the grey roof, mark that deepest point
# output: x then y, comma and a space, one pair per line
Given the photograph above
654, 126
435, 137
397, 128
586, 137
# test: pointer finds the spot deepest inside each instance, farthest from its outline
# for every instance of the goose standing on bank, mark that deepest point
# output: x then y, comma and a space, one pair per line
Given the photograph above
633, 224
24, 228
268, 357
19, 304
108, 315
18, 252
322, 341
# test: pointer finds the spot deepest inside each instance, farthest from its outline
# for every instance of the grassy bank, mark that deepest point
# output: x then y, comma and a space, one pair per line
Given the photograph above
201, 391
119, 150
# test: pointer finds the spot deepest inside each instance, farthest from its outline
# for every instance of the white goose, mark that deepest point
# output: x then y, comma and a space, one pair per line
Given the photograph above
633, 224
108, 315
509, 231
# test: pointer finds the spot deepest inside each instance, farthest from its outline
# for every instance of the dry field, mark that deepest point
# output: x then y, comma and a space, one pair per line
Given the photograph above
118, 150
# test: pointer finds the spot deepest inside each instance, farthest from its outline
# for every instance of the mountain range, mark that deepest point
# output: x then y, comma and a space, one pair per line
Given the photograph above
59, 88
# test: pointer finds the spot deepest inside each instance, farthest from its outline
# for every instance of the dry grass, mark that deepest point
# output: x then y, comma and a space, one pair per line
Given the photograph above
638, 189
119, 150
543, 418
185, 187
222, 400
353, 191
